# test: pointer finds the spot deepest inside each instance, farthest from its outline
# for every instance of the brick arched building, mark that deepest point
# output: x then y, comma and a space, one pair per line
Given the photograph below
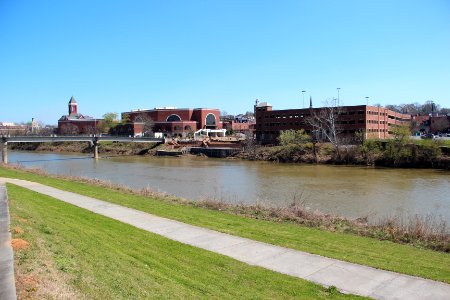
172, 121
76, 123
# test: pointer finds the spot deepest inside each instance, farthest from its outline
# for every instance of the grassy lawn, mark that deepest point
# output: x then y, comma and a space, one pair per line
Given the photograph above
371, 252
73, 253
438, 142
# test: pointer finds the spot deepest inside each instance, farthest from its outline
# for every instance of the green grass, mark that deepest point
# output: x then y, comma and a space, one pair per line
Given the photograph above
438, 142
101, 258
366, 251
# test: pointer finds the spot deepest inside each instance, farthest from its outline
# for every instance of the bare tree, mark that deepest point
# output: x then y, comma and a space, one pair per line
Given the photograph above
46, 131
92, 129
325, 124
70, 129
149, 124
440, 124
249, 144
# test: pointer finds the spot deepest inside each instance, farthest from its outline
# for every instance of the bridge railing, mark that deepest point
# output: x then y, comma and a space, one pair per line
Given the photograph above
78, 138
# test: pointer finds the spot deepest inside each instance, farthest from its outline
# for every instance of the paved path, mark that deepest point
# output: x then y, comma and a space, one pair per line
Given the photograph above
347, 277
7, 283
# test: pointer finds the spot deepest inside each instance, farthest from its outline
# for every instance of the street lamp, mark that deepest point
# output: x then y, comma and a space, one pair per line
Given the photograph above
367, 101
303, 93
338, 95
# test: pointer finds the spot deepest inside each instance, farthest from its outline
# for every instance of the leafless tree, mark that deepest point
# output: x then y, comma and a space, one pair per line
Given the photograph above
249, 144
440, 124
149, 124
325, 124
92, 129
70, 129
46, 131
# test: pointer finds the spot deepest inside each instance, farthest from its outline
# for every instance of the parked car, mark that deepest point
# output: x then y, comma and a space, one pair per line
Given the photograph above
428, 136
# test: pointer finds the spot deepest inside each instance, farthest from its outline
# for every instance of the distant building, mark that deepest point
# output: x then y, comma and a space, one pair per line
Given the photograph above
239, 123
170, 121
432, 123
371, 121
10, 128
35, 126
76, 123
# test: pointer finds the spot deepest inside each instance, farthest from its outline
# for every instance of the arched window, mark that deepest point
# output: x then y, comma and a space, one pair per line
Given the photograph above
210, 120
173, 118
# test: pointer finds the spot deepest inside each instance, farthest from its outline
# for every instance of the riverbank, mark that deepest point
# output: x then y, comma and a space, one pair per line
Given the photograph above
417, 154
263, 225
378, 153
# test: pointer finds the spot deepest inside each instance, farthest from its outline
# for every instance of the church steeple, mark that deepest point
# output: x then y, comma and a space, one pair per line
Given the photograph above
310, 102
73, 106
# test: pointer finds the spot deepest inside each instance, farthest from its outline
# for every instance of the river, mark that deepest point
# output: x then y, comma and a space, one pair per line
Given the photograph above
341, 190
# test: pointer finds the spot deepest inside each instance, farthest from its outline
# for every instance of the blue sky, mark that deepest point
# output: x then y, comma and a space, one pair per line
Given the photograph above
114, 56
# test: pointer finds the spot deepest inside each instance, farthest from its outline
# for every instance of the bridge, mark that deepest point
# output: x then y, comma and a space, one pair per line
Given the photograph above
94, 140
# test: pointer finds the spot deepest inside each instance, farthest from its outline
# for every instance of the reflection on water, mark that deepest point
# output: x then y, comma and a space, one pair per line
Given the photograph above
342, 190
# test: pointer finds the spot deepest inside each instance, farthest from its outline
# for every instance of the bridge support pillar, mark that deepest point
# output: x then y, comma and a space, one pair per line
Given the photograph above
5, 152
95, 150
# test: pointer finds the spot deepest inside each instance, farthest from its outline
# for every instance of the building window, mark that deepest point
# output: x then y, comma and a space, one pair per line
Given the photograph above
173, 118
210, 120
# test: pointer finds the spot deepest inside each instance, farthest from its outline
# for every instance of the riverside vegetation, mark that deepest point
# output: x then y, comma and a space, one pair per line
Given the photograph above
401, 151
379, 246
295, 146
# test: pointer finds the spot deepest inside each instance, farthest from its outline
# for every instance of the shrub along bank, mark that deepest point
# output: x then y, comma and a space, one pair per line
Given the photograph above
401, 151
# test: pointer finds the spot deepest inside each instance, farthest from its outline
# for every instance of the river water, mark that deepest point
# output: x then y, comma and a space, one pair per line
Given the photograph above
342, 190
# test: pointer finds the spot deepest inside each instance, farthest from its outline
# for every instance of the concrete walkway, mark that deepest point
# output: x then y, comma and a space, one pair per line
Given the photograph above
347, 277
7, 283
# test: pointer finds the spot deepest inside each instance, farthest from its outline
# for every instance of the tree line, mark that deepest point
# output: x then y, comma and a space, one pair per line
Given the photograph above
419, 109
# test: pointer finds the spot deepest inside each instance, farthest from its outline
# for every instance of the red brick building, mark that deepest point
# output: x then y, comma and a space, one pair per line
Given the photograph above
173, 121
372, 121
239, 126
76, 123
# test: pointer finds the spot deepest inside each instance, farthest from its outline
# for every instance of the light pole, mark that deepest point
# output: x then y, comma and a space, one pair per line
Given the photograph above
367, 101
338, 95
303, 94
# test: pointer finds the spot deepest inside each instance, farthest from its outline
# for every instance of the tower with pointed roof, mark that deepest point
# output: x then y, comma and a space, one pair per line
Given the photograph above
73, 107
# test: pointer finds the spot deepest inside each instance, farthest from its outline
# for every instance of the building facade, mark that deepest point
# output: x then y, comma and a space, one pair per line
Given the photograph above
371, 121
11, 129
75, 123
172, 121
239, 124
